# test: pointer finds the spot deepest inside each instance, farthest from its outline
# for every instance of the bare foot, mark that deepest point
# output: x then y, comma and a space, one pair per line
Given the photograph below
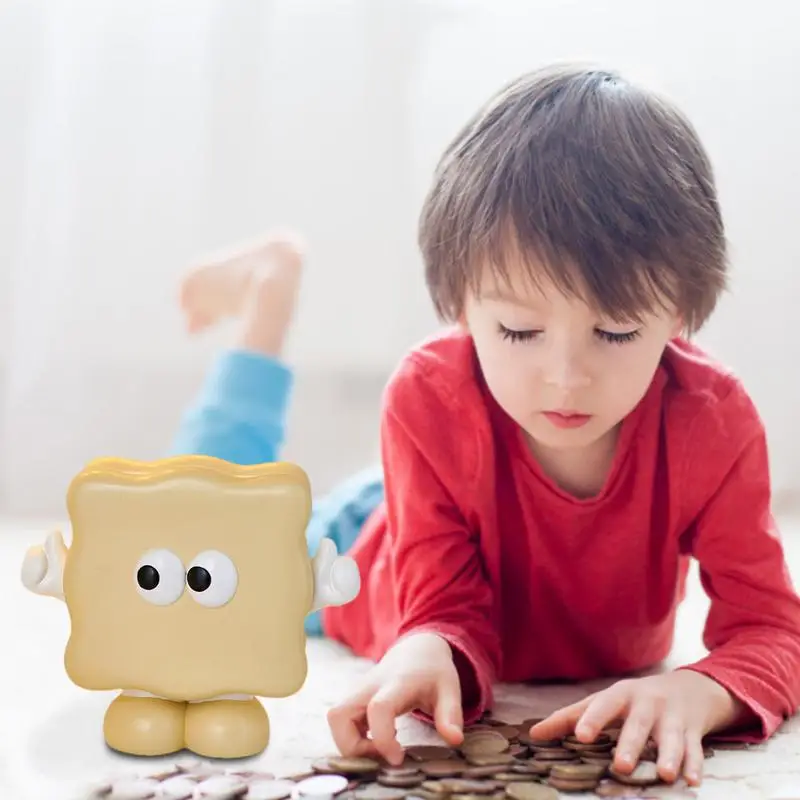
257, 283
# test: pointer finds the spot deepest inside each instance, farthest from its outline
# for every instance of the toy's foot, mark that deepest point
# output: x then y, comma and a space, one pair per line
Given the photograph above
144, 726
227, 728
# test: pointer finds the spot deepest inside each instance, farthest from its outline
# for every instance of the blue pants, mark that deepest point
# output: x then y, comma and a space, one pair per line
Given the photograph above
240, 416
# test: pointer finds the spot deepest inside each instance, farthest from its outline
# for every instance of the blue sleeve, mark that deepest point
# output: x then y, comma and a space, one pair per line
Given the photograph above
240, 413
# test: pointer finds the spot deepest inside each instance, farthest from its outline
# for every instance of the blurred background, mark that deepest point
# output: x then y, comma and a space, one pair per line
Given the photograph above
135, 136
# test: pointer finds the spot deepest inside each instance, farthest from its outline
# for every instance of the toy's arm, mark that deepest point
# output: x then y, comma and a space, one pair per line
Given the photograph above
43, 567
336, 578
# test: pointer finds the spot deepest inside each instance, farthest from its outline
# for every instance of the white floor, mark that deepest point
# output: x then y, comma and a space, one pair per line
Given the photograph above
50, 731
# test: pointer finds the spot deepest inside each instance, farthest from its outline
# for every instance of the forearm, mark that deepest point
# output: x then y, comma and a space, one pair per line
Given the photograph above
759, 671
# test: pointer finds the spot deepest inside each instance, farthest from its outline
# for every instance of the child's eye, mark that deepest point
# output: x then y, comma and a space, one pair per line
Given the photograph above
617, 338
517, 336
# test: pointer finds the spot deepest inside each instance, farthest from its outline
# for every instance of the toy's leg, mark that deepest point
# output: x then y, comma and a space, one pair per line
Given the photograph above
144, 726
227, 728
340, 516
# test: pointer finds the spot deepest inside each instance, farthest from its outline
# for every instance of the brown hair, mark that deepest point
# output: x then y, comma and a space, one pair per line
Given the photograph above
598, 184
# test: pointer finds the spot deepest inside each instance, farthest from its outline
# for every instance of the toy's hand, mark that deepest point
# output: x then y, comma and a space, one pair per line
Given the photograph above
336, 578
677, 709
43, 567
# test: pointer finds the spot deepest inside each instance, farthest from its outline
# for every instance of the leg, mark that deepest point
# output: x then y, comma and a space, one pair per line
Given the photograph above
240, 413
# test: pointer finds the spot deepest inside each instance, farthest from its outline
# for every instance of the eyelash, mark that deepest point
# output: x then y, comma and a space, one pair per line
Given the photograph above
606, 336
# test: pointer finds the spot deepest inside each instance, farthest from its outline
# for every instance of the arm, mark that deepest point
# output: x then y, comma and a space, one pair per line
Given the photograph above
436, 561
753, 626
43, 567
239, 415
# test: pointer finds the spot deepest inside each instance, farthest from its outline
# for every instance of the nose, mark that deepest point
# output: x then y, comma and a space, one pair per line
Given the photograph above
566, 370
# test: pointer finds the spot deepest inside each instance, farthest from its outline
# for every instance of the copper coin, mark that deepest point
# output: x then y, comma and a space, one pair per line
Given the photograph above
445, 768
529, 741
611, 789
353, 766
575, 772
429, 752
401, 780
645, 773
484, 743
490, 759
375, 791
531, 791
465, 786
532, 767
564, 785
475, 773
512, 777
601, 740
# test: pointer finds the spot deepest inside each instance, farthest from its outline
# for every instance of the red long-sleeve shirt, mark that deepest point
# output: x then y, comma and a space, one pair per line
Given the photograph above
528, 583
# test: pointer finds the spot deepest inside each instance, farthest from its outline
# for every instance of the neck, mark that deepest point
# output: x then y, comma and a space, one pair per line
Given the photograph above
583, 471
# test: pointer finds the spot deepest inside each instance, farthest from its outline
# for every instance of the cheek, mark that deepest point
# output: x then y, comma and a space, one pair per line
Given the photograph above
628, 379
511, 377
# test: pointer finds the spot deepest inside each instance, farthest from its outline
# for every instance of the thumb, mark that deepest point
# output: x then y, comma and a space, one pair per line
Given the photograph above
447, 713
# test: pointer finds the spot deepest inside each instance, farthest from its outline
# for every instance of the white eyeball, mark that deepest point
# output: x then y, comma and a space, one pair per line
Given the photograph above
160, 577
212, 579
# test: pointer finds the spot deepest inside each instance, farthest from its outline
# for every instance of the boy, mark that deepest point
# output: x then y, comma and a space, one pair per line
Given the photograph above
553, 462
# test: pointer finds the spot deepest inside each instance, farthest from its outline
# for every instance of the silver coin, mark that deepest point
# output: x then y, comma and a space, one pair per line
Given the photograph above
141, 789
270, 790
219, 787
179, 787
321, 786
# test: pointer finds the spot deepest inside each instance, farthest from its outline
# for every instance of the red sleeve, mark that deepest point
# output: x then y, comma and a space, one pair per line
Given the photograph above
436, 558
753, 627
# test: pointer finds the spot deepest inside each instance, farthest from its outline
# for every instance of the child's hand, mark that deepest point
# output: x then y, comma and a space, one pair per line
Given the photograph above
677, 709
418, 673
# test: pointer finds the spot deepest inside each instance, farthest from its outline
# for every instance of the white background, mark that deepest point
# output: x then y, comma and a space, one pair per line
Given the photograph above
135, 136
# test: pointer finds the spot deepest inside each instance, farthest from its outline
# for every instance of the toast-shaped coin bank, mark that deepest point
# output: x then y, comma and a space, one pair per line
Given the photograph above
187, 584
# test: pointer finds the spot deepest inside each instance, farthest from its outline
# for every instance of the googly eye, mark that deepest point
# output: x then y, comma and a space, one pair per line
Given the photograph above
160, 577
212, 579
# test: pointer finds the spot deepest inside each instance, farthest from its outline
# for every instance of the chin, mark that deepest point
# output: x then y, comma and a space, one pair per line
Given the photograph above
547, 435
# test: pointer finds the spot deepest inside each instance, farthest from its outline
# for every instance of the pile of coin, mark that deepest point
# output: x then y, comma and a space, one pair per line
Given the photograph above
496, 761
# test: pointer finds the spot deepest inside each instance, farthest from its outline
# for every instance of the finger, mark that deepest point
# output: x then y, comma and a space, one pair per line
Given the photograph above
634, 735
693, 758
606, 707
388, 703
671, 738
562, 722
447, 713
348, 724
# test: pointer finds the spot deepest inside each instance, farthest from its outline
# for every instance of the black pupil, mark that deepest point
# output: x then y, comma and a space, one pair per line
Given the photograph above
199, 579
148, 577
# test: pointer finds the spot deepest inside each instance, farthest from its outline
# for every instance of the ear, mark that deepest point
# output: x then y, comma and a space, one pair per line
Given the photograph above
677, 327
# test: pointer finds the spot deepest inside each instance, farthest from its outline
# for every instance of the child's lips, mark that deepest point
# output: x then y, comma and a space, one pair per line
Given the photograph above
567, 418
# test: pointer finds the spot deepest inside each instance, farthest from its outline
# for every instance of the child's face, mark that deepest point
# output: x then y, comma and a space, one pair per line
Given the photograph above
544, 354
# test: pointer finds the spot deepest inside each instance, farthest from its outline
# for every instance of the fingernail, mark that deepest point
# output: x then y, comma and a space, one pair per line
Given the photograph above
627, 758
